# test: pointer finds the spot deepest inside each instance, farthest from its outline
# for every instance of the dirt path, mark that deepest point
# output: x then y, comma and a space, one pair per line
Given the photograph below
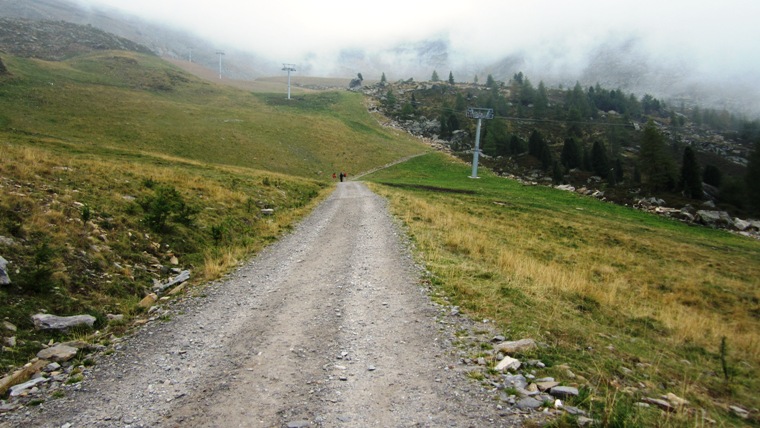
328, 327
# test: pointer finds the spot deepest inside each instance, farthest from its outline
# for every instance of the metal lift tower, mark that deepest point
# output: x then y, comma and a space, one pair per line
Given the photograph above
480, 114
288, 68
220, 53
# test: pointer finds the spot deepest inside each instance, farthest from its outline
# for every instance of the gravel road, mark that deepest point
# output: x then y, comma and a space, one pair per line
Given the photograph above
328, 327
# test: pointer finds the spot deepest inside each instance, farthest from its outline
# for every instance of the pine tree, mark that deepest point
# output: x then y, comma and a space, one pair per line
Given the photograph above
655, 164
636, 174
516, 145
451, 78
557, 173
540, 102
407, 111
459, 103
496, 139
691, 178
390, 99
712, 175
619, 172
599, 162
490, 82
383, 79
571, 154
535, 144
587, 164
546, 157
752, 178
435, 77
527, 93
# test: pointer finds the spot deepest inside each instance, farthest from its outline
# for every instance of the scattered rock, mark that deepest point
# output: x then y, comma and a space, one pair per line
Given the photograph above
547, 385
741, 225
662, 404
58, 353
21, 375
714, 218
514, 347
738, 411
515, 381
115, 317
574, 410
8, 407
564, 391
529, 403
148, 300
267, 211
8, 326
10, 341
676, 400
4, 278
508, 363
19, 389
179, 279
176, 290
53, 322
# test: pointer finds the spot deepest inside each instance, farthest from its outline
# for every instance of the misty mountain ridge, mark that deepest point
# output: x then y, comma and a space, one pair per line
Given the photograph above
616, 63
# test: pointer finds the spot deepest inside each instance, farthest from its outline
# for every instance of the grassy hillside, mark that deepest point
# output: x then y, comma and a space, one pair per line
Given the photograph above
125, 100
118, 167
636, 304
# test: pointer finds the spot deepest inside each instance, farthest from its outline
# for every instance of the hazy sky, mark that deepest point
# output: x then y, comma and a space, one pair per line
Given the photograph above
709, 35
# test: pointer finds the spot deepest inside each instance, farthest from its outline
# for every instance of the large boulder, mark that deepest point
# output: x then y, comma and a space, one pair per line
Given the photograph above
517, 346
53, 322
714, 218
58, 353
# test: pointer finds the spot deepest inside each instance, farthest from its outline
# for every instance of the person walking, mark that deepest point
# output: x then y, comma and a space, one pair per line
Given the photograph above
341, 177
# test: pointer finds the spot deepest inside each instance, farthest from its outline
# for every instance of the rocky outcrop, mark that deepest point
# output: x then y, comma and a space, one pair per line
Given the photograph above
58, 40
3, 68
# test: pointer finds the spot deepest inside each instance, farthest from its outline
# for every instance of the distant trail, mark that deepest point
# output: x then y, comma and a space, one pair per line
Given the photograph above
328, 327
360, 175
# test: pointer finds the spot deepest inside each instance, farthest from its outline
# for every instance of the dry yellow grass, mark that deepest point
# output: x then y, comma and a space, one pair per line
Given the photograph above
635, 304
648, 277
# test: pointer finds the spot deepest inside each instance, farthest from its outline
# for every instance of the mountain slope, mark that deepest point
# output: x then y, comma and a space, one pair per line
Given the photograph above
161, 40
133, 101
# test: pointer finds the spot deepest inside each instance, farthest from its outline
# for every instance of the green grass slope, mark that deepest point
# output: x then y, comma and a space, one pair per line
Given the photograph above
634, 304
136, 102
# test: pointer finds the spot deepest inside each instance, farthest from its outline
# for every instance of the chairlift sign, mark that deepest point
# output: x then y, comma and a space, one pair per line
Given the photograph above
479, 113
